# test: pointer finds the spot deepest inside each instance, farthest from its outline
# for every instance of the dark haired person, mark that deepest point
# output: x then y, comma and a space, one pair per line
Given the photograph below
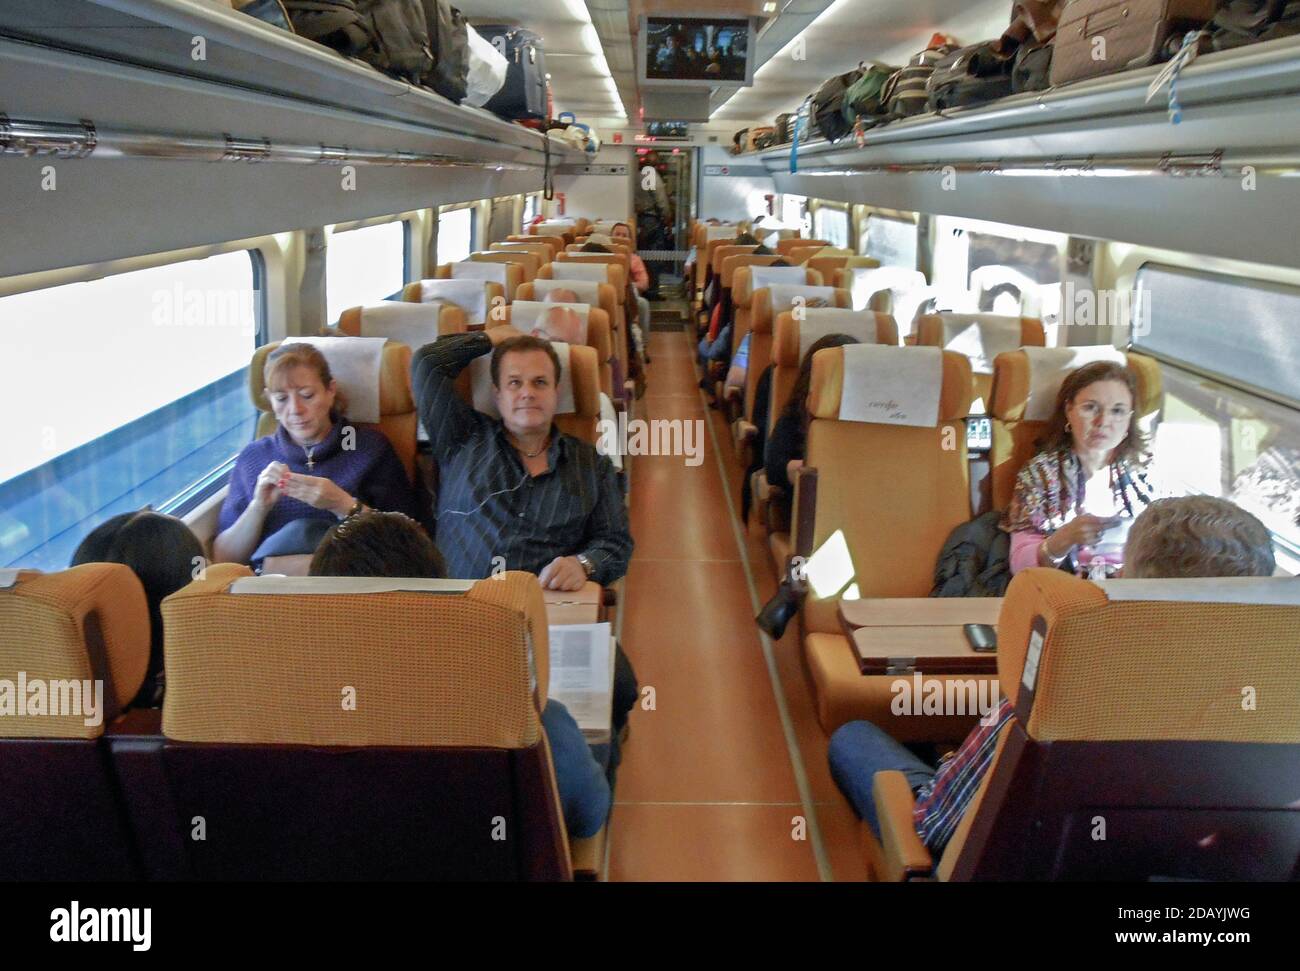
516, 492
302, 471
1192, 536
388, 544
165, 555
1088, 477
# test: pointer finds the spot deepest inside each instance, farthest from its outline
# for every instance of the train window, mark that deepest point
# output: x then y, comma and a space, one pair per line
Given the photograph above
532, 205
891, 241
364, 265
793, 211
455, 235
832, 225
136, 391
1012, 269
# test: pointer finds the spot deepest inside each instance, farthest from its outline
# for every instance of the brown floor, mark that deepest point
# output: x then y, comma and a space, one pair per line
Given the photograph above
708, 787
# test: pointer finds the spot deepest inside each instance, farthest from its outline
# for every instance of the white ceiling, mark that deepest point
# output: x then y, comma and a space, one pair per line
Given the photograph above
844, 33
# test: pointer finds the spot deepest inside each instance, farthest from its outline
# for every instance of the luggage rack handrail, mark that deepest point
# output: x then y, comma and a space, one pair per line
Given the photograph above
1212, 164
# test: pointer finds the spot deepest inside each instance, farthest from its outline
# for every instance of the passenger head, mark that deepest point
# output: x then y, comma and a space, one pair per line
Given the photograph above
590, 247
302, 392
1197, 536
1095, 412
621, 231
745, 239
525, 382
798, 401
561, 295
161, 551
378, 544
559, 324
761, 250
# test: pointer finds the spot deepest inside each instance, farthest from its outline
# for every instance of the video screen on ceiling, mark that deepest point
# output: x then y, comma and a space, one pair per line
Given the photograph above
693, 49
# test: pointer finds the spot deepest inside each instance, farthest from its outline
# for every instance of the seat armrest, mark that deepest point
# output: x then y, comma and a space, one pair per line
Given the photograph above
904, 856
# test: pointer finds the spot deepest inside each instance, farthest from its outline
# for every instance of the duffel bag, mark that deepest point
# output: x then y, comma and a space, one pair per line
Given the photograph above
907, 95
334, 23
401, 40
828, 105
972, 76
864, 101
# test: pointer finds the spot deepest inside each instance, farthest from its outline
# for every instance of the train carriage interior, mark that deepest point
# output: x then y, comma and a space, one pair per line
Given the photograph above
644, 441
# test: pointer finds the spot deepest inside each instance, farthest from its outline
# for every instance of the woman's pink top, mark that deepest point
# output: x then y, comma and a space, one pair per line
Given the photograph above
640, 278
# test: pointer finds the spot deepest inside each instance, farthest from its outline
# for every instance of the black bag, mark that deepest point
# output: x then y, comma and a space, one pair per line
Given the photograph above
907, 95
523, 96
1033, 68
334, 23
974, 75
388, 34
1241, 22
828, 105
449, 41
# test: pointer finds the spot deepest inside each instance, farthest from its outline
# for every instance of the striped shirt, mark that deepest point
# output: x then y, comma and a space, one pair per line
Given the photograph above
942, 802
492, 514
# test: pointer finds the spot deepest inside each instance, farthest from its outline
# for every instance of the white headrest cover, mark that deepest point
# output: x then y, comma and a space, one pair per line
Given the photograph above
1048, 368
355, 363
524, 314
572, 270
481, 381
720, 232
335, 585
783, 296
469, 295
600, 238
588, 291
474, 270
1282, 591
821, 321
412, 324
867, 281
980, 337
766, 276
892, 385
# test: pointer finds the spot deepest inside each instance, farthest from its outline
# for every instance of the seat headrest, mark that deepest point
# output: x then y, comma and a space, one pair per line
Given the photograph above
719, 232
728, 266
525, 314
579, 270
588, 291
1026, 381
470, 296
373, 378
782, 296
794, 337
876, 384
981, 337
542, 250
479, 270
579, 389
424, 669
1138, 660
724, 252
317, 586
86, 623
767, 276
529, 260
412, 324
866, 282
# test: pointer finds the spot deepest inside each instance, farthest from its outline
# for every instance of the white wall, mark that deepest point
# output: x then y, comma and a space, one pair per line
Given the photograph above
739, 193
598, 195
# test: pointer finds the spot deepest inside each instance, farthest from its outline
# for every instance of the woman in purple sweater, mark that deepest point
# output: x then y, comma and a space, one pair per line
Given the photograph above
314, 466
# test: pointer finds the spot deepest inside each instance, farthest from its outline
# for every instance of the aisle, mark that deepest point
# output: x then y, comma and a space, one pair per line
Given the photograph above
710, 786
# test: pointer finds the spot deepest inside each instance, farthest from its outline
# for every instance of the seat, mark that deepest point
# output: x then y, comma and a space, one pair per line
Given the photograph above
768, 303
562, 229
1024, 388
886, 466
377, 385
981, 337
530, 262
589, 267
748, 279
507, 275
784, 246
474, 297
829, 261
880, 288
326, 730
545, 253
59, 812
525, 311
412, 324
1132, 722
714, 236
555, 242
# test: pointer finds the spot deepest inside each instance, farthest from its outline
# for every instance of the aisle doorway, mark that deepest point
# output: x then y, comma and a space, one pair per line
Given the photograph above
664, 193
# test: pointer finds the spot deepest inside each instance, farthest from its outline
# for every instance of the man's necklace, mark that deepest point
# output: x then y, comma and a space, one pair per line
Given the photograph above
540, 450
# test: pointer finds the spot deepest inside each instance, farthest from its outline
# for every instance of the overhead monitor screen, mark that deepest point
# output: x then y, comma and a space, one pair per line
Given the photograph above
693, 49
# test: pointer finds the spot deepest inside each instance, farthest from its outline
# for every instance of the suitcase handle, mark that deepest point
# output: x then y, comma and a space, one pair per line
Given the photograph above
567, 117
1104, 20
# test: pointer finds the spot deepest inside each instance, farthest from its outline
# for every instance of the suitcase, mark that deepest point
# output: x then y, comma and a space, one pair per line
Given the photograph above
523, 97
1100, 37
907, 95
972, 76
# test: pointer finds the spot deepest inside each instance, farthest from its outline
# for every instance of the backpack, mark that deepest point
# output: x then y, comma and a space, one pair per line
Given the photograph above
449, 42
828, 105
390, 35
334, 23
865, 99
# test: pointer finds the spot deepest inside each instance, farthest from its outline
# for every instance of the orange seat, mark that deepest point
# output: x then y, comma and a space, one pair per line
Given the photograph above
505, 274
530, 262
981, 337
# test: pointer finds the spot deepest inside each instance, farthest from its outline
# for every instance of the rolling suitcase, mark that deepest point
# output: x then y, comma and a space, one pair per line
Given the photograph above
1099, 37
523, 97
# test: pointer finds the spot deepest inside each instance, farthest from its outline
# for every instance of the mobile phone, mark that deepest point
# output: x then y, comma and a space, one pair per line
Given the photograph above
982, 637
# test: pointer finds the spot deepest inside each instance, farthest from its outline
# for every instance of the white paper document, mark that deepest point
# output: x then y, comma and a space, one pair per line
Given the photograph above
582, 676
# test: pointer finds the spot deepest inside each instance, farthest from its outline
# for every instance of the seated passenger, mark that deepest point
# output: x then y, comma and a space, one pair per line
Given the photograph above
782, 454
306, 469
641, 283
1192, 536
515, 492
1088, 476
165, 555
388, 544
561, 324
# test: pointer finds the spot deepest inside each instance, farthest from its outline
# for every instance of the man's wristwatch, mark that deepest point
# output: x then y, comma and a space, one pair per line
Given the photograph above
587, 566
357, 507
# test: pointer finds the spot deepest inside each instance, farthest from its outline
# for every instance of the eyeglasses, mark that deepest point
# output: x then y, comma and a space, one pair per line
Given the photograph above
1090, 410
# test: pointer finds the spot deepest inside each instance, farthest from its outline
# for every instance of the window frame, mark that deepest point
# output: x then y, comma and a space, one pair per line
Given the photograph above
473, 208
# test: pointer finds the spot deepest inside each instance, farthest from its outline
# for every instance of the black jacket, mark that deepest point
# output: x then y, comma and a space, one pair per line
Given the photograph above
975, 560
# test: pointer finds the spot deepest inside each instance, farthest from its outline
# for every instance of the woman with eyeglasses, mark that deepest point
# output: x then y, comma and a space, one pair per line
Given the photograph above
1075, 499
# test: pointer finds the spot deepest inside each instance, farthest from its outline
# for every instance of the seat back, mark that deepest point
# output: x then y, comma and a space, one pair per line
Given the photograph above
784, 246
530, 262
727, 250
412, 324
880, 287
578, 410
562, 229
769, 303
792, 338
330, 730
474, 297
74, 650
506, 275
598, 271
545, 253
829, 261
1139, 718
887, 442
598, 332
1024, 388
377, 385
981, 337
556, 242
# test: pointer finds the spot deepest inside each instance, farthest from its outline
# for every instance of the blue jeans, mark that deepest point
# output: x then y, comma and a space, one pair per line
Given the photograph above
584, 790
859, 750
